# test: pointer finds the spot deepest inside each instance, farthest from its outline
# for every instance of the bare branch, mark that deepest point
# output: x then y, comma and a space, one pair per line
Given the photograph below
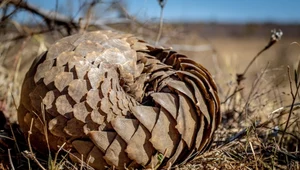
53, 18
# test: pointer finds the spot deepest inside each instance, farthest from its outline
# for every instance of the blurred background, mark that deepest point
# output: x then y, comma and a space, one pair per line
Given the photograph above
223, 36
214, 11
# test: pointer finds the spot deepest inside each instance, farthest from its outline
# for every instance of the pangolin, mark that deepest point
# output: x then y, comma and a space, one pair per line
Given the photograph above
113, 100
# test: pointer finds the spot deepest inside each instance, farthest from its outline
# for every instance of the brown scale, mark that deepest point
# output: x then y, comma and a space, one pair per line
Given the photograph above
119, 102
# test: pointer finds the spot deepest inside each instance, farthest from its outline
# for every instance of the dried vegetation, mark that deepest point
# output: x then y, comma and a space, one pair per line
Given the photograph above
260, 128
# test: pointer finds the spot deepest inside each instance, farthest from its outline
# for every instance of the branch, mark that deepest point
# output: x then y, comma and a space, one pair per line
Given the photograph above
53, 18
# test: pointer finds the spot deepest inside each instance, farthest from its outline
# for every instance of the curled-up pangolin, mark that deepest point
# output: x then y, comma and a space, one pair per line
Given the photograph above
116, 101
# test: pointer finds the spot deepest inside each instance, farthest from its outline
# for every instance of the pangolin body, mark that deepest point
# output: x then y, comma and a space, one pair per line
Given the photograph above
113, 100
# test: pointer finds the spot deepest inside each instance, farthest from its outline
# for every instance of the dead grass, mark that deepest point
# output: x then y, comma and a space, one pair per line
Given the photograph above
255, 111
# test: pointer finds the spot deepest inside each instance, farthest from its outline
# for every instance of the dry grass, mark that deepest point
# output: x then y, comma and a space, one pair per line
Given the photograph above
255, 111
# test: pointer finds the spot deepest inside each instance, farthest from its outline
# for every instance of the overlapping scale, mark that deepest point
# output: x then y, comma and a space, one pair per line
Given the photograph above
119, 102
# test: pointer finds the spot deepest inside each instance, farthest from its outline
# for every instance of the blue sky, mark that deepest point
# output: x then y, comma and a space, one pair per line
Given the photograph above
223, 10
281, 11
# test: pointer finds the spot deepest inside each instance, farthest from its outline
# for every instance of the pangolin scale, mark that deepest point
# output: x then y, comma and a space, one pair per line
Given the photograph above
113, 100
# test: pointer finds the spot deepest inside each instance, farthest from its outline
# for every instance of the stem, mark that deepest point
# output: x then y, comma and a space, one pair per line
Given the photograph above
162, 4
291, 109
275, 36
